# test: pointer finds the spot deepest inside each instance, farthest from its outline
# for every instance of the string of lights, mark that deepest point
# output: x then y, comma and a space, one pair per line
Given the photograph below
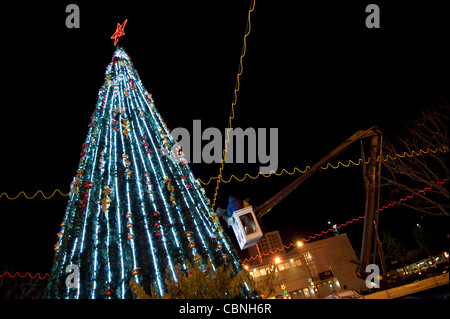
32, 197
22, 276
299, 243
236, 89
444, 149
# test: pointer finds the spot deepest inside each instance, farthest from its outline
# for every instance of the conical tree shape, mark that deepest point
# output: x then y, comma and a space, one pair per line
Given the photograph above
135, 209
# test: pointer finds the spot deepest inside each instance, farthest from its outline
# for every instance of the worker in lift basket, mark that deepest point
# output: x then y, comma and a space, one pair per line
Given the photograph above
235, 204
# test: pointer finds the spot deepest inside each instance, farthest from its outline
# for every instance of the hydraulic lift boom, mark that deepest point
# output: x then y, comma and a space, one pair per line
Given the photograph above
371, 186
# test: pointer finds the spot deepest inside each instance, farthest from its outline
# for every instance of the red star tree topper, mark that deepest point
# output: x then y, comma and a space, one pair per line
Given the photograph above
119, 31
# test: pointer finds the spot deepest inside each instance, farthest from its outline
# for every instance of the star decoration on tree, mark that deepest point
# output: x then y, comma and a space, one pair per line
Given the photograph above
119, 31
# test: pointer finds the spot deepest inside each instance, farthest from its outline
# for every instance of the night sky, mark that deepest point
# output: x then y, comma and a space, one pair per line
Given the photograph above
313, 71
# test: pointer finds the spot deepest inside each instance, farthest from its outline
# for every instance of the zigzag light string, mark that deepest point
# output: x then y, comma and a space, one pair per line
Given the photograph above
277, 249
344, 224
27, 274
241, 69
444, 149
32, 197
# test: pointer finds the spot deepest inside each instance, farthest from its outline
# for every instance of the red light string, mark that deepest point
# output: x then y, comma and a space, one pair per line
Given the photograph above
277, 249
344, 224
27, 274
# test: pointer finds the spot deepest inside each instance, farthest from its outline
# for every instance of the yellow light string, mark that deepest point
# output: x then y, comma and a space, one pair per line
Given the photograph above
339, 164
414, 153
444, 149
31, 197
219, 176
241, 69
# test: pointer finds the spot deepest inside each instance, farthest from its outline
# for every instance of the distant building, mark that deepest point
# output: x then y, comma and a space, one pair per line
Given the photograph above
271, 241
311, 271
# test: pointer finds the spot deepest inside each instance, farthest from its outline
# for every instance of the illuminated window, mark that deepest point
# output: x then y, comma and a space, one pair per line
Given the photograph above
311, 264
287, 265
306, 292
298, 262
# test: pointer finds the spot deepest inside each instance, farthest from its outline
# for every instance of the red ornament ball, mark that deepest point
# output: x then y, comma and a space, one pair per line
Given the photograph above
108, 292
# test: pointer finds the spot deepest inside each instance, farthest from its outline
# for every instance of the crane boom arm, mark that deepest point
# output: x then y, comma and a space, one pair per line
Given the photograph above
265, 207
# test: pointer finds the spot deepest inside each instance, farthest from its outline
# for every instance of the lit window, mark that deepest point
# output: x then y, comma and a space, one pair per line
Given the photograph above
280, 267
308, 257
311, 264
306, 292
298, 262
287, 265
263, 272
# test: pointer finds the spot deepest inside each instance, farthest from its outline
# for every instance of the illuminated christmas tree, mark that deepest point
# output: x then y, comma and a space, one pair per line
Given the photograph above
135, 209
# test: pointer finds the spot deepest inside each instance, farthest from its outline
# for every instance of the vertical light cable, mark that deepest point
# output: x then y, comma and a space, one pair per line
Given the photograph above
109, 141
132, 244
141, 199
99, 210
119, 220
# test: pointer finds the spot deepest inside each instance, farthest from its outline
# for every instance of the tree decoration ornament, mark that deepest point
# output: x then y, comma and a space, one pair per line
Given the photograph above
135, 271
108, 292
106, 201
126, 126
214, 217
119, 32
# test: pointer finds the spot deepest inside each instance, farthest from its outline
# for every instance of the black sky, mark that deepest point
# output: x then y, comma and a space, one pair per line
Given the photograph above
313, 71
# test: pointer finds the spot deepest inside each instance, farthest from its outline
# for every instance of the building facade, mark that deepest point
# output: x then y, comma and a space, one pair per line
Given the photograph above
271, 242
311, 270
